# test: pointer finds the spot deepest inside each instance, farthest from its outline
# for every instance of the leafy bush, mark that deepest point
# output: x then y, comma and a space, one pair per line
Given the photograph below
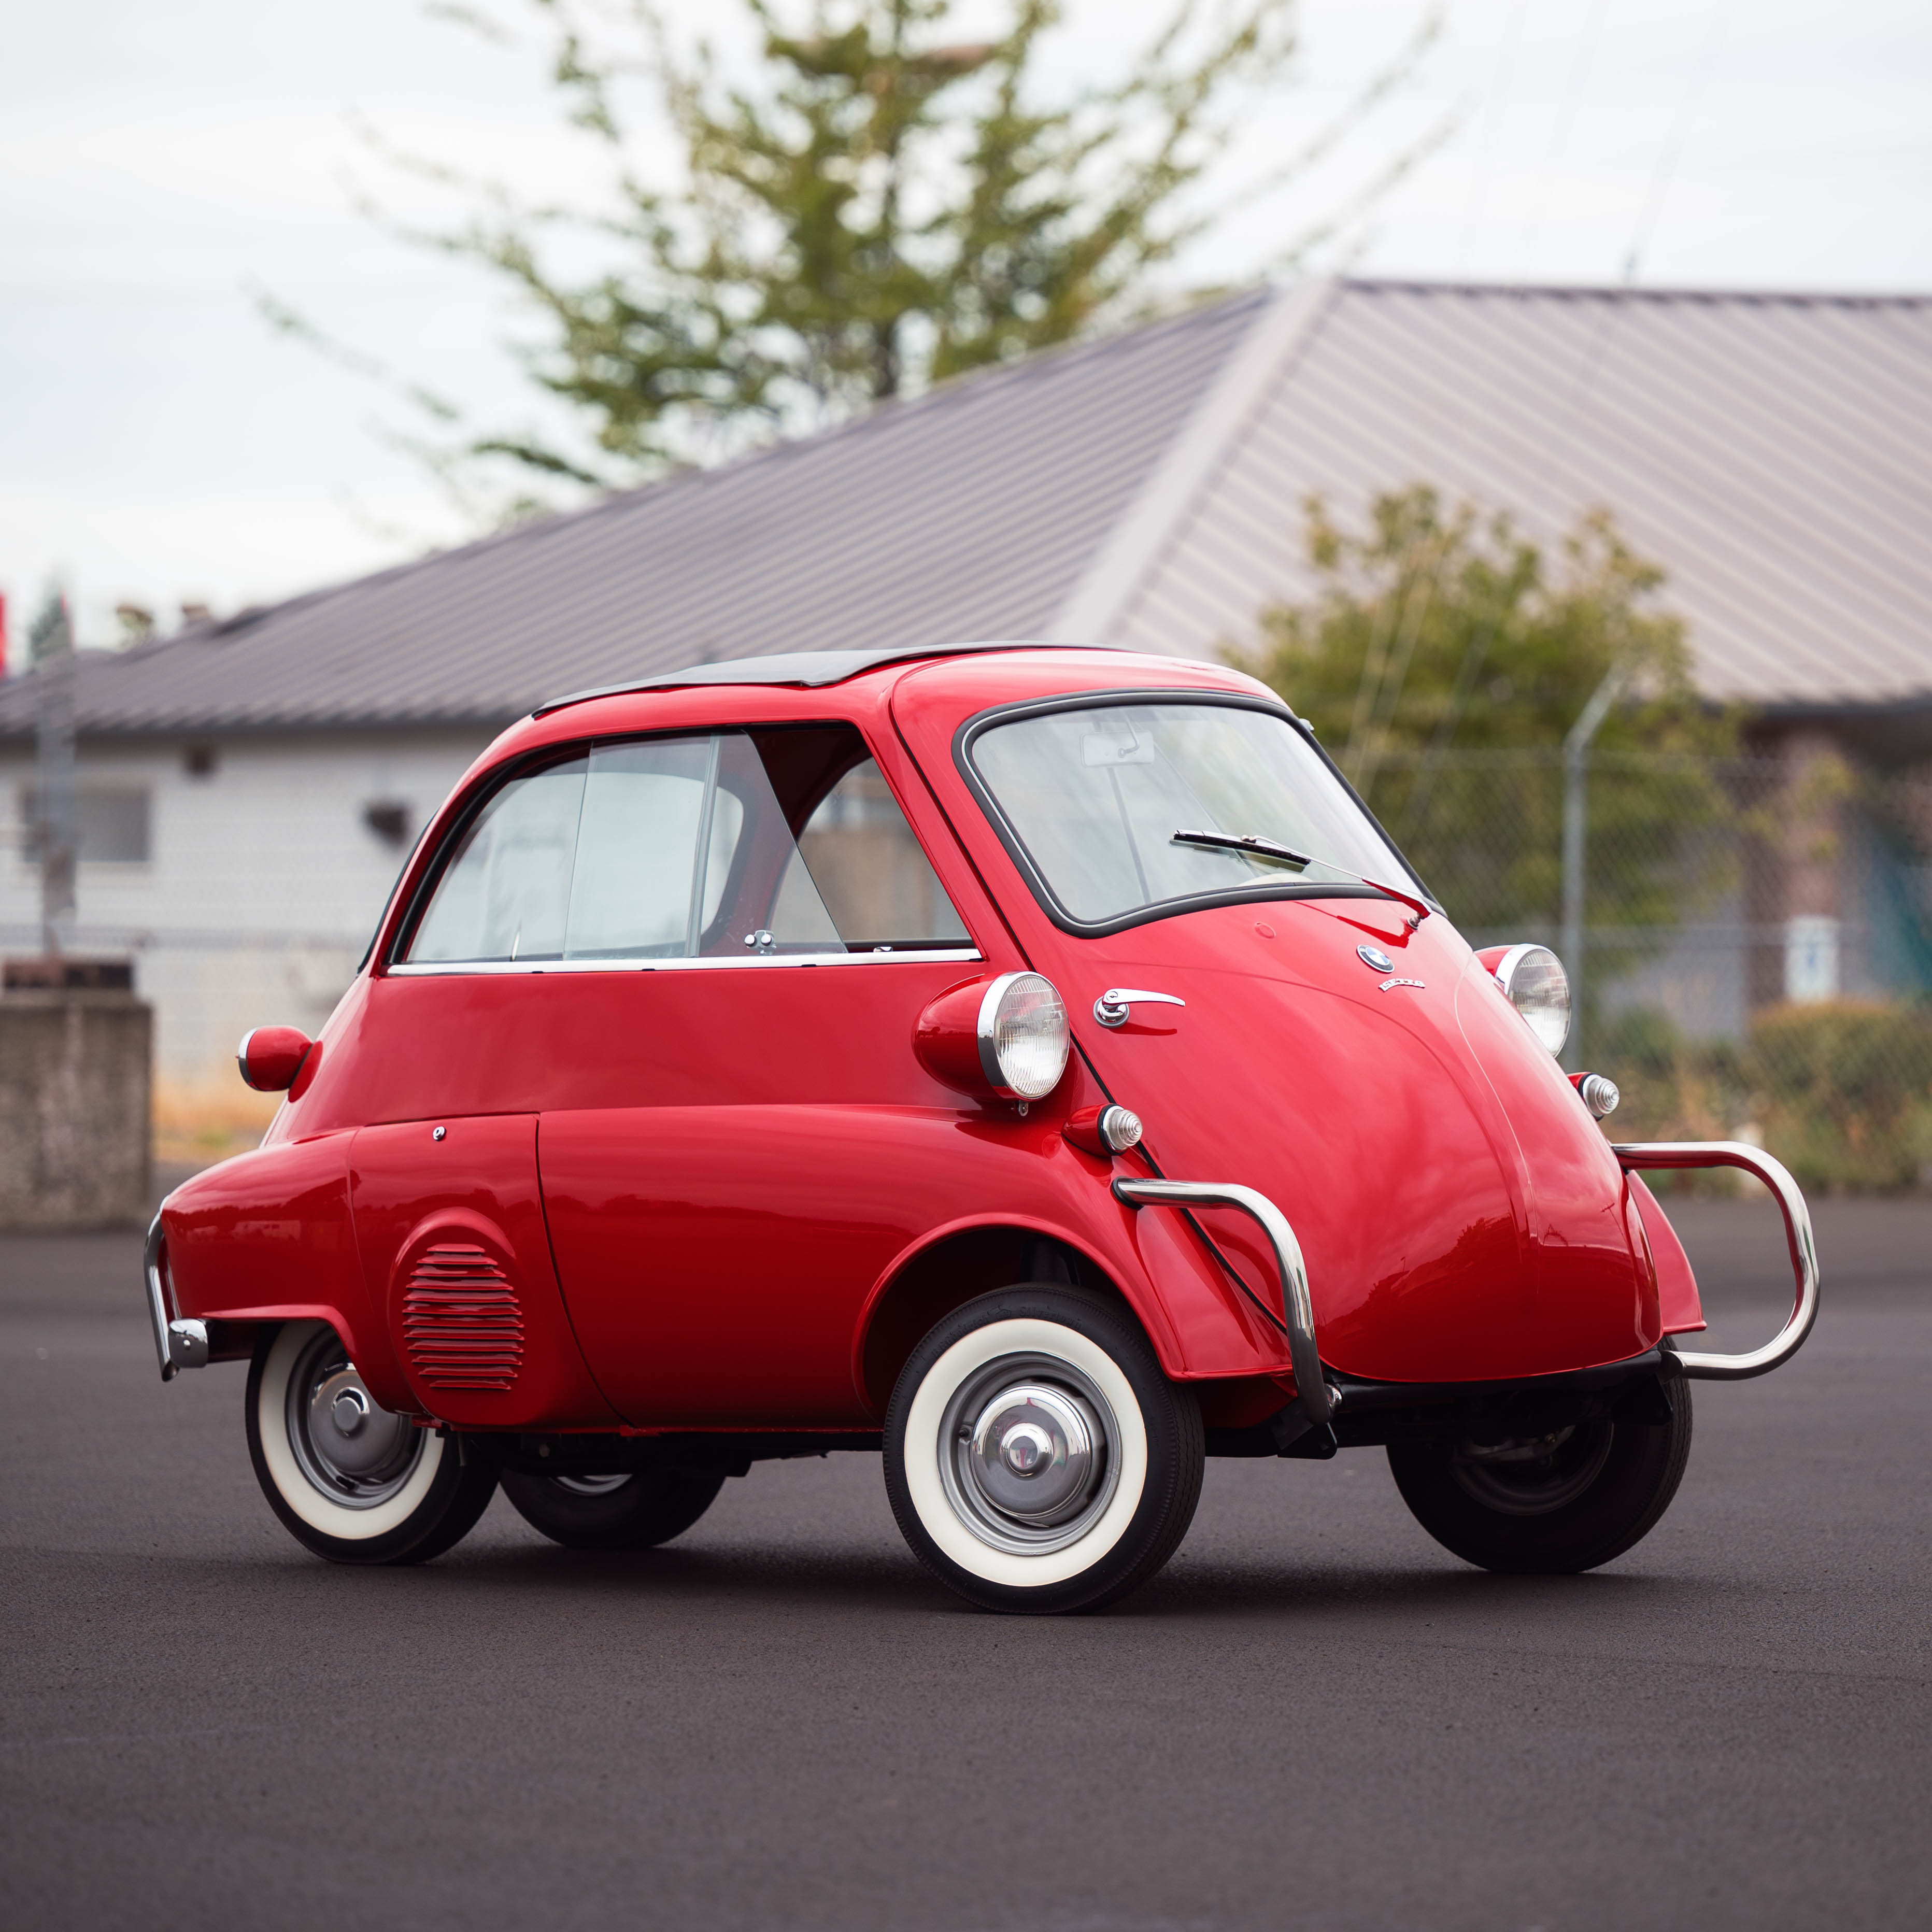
1847, 1087
1841, 1092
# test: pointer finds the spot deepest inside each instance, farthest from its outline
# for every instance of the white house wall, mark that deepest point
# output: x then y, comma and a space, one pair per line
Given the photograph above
263, 883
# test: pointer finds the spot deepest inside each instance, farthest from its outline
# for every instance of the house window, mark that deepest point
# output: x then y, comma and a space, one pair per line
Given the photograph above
111, 820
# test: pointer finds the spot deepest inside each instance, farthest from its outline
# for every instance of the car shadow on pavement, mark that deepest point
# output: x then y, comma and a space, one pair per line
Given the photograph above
793, 1579
789, 1576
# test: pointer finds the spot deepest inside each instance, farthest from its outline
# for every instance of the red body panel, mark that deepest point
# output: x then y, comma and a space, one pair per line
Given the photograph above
474, 1189
1679, 1302
710, 1180
267, 1236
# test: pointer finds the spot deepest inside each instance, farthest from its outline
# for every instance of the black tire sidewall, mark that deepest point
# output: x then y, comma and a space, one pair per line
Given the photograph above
653, 1508
1635, 1486
456, 1498
1169, 1414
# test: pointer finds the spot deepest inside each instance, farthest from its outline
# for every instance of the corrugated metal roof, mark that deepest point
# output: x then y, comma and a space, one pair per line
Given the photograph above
1773, 452
967, 513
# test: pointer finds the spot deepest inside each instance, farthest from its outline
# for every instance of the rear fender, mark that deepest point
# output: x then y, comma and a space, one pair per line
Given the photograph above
267, 1237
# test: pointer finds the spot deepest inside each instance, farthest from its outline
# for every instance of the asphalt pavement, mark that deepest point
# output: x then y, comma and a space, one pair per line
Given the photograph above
1315, 1717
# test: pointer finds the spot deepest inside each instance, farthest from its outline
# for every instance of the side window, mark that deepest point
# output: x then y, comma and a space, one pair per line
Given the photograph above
873, 873
744, 844
505, 893
632, 892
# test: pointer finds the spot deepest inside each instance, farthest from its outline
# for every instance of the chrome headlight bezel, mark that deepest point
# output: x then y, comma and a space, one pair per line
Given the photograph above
1024, 1036
1534, 981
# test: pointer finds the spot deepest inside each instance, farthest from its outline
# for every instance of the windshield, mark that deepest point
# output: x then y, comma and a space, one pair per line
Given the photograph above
1096, 796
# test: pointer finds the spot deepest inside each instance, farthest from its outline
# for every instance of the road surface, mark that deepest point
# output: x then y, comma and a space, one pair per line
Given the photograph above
1315, 1718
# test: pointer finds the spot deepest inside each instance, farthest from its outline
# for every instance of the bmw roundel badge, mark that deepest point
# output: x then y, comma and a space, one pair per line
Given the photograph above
1374, 957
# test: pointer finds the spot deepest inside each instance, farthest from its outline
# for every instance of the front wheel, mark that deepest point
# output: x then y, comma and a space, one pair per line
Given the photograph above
1550, 1505
1036, 1458
351, 1481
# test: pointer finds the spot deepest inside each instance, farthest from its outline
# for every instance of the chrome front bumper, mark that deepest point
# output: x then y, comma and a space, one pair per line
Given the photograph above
1317, 1399
1787, 1341
180, 1344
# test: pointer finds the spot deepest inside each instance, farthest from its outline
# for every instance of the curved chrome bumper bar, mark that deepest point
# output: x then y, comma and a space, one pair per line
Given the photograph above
1316, 1397
180, 1344
1798, 1231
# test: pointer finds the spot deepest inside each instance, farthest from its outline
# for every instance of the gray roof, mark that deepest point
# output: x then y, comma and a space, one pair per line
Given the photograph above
1773, 452
966, 514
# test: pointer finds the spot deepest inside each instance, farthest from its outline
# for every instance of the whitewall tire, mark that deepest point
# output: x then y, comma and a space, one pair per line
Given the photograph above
349, 1479
1036, 1458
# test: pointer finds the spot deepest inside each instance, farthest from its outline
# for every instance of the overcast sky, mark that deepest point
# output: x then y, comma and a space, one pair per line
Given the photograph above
158, 443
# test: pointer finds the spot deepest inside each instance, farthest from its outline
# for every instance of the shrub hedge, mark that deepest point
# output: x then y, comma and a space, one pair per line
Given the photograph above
1841, 1091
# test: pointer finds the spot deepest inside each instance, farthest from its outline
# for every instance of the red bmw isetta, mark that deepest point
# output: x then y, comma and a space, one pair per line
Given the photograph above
1033, 1063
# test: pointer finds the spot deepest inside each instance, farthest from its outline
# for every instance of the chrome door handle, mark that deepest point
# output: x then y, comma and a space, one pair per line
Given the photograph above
1112, 1008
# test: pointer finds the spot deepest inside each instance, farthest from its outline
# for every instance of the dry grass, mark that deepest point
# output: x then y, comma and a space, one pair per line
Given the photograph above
196, 1126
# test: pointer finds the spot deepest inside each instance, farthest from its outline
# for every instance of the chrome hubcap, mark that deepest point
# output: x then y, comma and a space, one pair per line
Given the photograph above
354, 1452
1025, 1454
1531, 1475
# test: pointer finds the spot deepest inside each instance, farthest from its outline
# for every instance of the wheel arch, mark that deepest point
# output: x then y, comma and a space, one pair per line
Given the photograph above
951, 1265
243, 1329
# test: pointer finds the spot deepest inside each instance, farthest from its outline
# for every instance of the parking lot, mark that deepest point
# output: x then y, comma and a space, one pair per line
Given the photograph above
1315, 1717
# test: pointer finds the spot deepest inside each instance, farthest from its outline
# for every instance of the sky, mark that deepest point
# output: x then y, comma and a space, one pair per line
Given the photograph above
164, 168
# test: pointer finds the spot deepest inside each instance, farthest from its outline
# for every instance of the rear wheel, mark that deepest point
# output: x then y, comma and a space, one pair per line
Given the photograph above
350, 1480
1036, 1458
1550, 1505
631, 1511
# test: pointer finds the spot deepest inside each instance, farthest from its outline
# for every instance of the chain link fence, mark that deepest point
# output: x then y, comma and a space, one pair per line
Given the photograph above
1754, 957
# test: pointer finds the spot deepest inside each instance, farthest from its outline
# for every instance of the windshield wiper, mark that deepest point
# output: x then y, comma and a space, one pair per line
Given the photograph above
1271, 848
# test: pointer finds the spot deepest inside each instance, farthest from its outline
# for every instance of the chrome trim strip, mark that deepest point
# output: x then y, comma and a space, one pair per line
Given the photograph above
1798, 1231
425, 969
179, 1344
1316, 1397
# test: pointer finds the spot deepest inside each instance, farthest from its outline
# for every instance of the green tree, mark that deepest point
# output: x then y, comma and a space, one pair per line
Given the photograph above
876, 206
1443, 655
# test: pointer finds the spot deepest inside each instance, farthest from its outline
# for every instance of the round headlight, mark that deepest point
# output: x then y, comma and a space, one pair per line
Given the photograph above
1533, 979
1023, 1035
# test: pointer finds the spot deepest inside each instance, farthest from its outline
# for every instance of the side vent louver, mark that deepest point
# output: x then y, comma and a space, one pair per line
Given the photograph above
461, 1324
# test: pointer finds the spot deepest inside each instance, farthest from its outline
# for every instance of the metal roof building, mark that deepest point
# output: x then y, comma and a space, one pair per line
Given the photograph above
1774, 453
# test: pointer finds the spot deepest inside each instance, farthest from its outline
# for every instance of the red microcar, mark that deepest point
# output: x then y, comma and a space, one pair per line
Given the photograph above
1034, 1063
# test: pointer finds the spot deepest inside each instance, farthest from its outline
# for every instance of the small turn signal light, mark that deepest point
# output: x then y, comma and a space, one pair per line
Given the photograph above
1598, 1094
1104, 1131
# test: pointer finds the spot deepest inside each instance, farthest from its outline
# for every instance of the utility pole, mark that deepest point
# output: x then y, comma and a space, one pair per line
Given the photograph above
56, 809
1576, 758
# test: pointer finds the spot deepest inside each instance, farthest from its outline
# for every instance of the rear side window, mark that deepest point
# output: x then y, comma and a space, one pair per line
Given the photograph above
730, 845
